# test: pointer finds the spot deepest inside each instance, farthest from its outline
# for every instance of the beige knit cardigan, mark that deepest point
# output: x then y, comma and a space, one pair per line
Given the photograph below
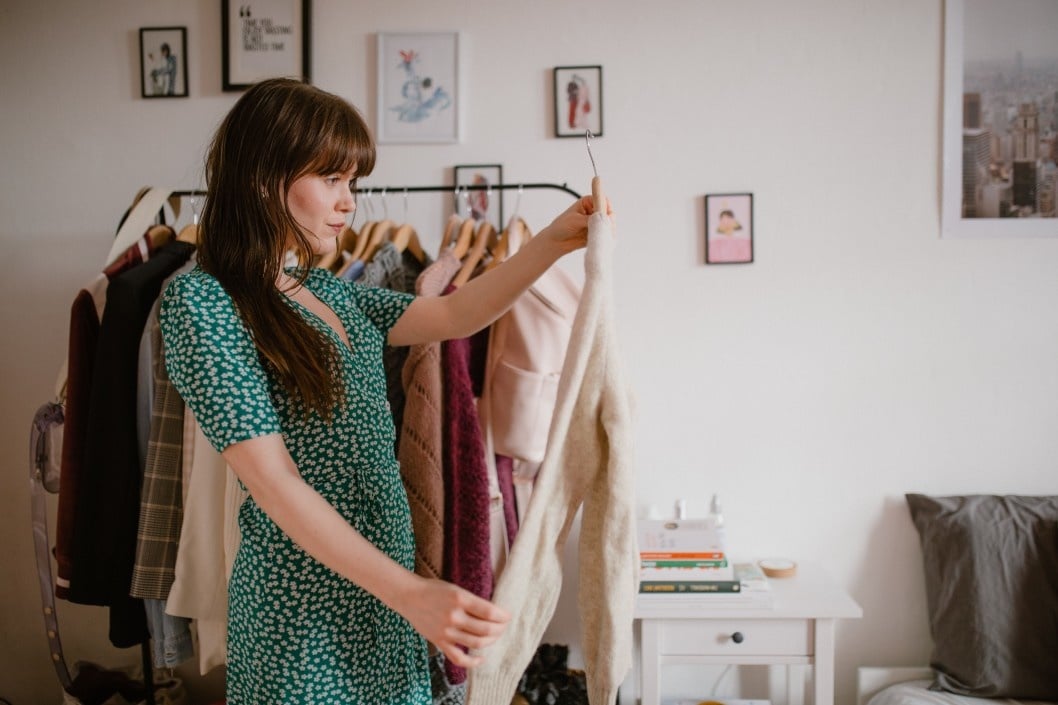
588, 461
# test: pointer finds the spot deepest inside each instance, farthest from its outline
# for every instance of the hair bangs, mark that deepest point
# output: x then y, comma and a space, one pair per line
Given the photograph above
344, 144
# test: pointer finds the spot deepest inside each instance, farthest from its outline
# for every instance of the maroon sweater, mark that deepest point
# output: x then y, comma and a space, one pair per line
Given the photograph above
467, 558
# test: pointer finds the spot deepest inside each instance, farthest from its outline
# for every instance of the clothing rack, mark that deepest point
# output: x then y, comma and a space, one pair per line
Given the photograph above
195, 193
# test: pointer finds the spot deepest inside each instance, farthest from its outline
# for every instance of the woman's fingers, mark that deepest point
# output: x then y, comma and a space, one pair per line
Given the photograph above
459, 657
485, 610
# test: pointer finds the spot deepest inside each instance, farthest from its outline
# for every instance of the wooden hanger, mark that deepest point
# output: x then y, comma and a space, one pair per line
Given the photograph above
484, 233
347, 243
188, 234
160, 235
464, 238
141, 215
405, 238
454, 221
362, 240
501, 247
378, 235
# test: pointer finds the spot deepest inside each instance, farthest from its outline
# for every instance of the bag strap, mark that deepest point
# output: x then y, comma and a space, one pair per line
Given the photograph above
47, 417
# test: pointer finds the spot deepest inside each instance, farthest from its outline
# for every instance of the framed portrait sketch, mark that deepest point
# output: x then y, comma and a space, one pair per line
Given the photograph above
163, 62
418, 87
578, 100
1000, 119
729, 228
481, 203
264, 39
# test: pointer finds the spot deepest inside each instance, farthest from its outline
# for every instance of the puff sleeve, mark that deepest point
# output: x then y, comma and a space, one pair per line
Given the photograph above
213, 362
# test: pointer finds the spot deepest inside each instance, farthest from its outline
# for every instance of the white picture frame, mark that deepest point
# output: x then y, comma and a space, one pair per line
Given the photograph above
418, 88
970, 34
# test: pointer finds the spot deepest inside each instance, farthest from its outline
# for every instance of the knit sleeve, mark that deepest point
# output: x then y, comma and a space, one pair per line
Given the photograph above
213, 363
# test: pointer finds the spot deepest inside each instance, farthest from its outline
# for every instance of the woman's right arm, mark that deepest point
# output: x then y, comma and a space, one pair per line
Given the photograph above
446, 615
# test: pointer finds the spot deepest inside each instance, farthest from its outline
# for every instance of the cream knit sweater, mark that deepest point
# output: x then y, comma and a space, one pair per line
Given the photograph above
589, 461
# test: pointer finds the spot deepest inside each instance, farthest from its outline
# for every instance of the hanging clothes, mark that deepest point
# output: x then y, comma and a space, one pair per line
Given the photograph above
589, 462
108, 497
420, 448
395, 270
85, 314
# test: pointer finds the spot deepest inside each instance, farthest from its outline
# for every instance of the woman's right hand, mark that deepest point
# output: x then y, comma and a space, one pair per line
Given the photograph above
452, 619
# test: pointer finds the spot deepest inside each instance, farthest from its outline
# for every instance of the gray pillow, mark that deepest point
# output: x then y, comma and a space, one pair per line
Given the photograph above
991, 566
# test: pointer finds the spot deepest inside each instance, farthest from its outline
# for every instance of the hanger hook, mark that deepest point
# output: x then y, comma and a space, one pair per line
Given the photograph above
466, 198
518, 201
587, 141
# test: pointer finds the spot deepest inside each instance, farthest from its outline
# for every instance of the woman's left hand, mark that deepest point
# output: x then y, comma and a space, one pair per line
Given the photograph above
570, 228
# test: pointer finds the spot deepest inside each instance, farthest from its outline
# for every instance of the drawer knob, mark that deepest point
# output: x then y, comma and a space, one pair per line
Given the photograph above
737, 637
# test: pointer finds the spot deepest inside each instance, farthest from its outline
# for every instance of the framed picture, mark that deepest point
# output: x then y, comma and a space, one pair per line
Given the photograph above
163, 62
418, 87
264, 39
578, 100
1000, 69
729, 228
481, 204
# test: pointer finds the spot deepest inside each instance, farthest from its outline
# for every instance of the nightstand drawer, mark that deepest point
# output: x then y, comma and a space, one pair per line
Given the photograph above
758, 637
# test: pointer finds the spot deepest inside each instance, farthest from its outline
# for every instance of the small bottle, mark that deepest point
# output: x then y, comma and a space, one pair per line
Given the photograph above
715, 514
681, 509
716, 521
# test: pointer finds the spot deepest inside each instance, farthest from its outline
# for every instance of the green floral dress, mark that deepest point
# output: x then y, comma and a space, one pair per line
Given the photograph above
297, 631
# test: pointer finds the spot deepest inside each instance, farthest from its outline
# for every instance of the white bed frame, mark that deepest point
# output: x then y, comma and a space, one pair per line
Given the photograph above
870, 680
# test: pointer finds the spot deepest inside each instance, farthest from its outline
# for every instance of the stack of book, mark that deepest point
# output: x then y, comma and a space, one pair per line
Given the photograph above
688, 557
684, 555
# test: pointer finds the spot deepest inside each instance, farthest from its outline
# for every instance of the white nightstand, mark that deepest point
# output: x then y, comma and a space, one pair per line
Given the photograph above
797, 629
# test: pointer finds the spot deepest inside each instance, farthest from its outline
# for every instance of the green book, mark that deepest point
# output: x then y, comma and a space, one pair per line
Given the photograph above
690, 586
679, 563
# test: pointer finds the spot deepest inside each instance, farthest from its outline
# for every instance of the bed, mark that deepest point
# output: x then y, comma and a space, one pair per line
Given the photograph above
910, 686
991, 569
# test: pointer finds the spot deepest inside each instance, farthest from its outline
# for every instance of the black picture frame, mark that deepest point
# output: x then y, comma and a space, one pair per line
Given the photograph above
729, 228
482, 205
163, 62
578, 100
263, 39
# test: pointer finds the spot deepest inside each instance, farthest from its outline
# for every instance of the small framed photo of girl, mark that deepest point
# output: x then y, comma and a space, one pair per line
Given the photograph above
578, 100
729, 228
163, 62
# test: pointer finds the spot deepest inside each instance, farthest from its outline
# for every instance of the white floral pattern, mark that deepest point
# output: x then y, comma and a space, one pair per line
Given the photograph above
297, 631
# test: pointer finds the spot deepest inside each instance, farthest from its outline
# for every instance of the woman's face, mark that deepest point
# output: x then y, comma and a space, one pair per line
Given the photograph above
320, 204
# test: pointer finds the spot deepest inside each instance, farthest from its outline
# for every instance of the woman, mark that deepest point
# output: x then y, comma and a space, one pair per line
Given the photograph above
282, 368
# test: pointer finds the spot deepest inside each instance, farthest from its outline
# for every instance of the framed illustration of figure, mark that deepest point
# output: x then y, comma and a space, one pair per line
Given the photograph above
481, 203
729, 228
418, 87
578, 100
163, 62
264, 39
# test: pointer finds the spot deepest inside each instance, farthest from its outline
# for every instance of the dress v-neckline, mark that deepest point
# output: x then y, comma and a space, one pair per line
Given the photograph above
345, 341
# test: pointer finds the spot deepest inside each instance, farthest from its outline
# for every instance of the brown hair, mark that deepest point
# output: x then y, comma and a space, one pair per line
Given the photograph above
278, 131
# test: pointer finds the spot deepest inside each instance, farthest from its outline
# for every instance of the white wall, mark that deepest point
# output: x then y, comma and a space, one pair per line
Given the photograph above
859, 358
